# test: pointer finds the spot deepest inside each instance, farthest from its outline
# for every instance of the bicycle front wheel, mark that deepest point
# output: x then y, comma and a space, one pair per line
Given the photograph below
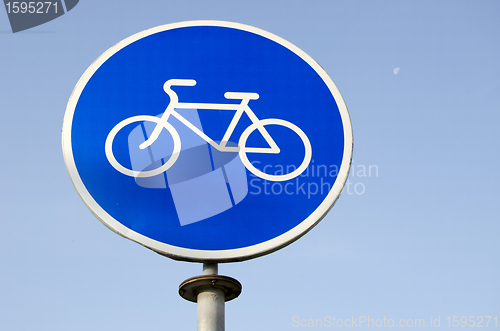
263, 175
142, 174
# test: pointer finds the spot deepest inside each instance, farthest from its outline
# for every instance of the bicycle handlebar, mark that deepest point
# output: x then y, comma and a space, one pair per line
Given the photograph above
178, 82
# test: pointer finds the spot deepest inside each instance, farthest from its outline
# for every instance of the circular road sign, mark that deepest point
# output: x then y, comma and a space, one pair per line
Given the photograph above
207, 141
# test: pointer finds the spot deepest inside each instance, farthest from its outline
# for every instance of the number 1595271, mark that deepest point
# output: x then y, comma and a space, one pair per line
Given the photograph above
32, 7
471, 321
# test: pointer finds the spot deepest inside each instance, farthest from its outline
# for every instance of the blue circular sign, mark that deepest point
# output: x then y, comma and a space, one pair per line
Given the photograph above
207, 141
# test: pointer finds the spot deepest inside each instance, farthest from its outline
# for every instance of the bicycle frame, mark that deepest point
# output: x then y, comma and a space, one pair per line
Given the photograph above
240, 108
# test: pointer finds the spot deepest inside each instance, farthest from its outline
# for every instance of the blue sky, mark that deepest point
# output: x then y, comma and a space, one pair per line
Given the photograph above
419, 237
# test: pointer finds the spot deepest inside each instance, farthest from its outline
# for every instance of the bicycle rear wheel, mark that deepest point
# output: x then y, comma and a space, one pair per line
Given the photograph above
142, 174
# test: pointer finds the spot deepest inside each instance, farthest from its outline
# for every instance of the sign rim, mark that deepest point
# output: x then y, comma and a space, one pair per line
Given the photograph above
197, 255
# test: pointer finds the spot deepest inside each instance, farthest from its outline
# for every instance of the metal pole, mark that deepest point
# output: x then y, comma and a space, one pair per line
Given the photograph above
210, 268
210, 303
210, 291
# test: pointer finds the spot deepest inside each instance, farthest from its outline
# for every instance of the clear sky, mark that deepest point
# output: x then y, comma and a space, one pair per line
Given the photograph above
415, 238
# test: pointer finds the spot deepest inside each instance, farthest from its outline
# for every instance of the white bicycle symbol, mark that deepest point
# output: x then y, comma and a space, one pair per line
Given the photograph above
242, 149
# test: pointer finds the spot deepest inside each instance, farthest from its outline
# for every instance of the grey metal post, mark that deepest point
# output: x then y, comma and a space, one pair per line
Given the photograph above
210, 303
210, 291
210, 268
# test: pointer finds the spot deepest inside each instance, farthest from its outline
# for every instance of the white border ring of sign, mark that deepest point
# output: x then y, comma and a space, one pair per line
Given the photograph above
193, 255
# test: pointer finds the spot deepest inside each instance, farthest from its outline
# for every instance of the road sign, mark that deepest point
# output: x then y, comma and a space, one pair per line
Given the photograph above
207, 141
